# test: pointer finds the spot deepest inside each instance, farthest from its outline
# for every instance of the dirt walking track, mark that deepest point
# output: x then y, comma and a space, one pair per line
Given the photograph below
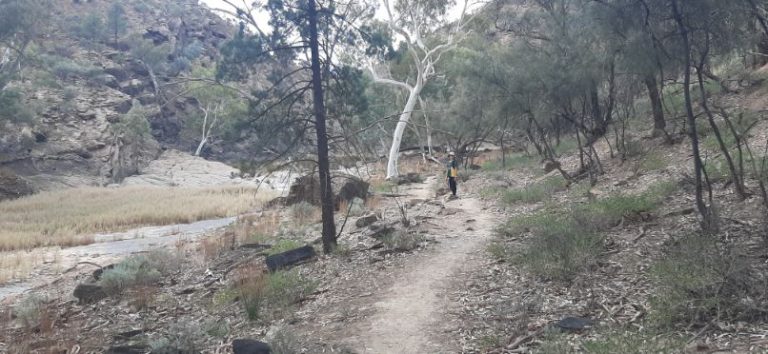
409, 316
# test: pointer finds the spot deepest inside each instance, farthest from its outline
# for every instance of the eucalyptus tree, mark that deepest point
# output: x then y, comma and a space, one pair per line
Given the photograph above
297, 54
425, 31
116, 22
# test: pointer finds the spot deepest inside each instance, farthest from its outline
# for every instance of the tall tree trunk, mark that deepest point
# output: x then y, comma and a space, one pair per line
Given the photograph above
659, 123
691, 118
738, 184
204, 137
397, 137
594, 102
323, 163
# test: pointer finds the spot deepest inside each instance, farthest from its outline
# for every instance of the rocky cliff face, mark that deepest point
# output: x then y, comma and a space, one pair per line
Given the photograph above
84, 94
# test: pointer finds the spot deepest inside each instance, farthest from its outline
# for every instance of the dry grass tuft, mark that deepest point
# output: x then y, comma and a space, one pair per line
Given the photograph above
71, 217
256, 228
19, 264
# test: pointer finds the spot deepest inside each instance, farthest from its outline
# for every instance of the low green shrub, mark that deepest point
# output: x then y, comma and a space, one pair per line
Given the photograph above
138, 270
304, 213
66, 69
652, 162
402, 240
537, 192
561, 248
181, 338
265, 294
701, 279
29, 310
629, 341
568, 240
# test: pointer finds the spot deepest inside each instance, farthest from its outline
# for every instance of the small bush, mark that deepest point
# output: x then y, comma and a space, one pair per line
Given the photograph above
13, 108
304, 213
632, 148
561, 248
218, 329
652, 162
717, 170
607, 212
30, 310
567, 241
498, 250
402, 240
265, 293
66, 69
630, 342
537, 192
702, 279
182, 338
140, 270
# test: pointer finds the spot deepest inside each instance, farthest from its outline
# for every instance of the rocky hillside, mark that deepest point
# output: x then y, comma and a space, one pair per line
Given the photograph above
100, 91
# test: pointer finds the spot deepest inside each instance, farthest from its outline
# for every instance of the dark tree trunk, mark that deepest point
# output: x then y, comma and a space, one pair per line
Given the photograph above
594, 102
326, 192
738, 184
691, 118
659, 123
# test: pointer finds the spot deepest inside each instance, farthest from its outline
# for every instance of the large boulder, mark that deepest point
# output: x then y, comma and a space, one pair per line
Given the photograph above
307, 189
366, 220
12, 186
88, 293
304, 189
352, 188
132, 87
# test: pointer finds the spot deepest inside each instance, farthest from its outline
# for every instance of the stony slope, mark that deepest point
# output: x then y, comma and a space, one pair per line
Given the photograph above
78, 92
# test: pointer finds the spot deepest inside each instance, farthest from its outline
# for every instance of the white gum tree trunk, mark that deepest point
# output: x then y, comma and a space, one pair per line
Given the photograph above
397, 137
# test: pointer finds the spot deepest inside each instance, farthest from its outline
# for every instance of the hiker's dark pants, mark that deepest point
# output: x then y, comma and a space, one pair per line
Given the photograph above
452, 184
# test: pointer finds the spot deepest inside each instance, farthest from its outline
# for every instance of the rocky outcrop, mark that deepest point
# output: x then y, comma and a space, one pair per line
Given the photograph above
72, 139
307, 189
176, 168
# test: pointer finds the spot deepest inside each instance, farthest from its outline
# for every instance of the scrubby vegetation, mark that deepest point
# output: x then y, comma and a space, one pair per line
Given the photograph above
139, 270
564, 241
265, 296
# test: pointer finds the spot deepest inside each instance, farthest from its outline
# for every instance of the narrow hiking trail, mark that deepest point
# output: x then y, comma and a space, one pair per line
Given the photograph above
409, 315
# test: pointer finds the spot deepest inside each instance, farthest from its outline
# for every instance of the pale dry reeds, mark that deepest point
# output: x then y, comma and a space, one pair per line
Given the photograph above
71, 217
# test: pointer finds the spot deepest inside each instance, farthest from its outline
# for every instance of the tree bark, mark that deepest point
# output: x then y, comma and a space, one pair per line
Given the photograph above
659, 123
594, 102
738, 184
397, 137
691, 118
323, 163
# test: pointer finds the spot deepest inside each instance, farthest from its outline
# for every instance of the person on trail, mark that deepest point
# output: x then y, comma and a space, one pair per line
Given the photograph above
453, 172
